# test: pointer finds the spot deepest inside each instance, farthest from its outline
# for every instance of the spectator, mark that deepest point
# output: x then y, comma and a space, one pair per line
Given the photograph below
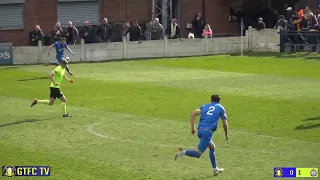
289, 12
292, 20
71, 33
105, 31
318, 14
134, 31
156, 30
56, 32
285, 7
306, 11
35, 36
198, 25
301, 21
85, 32
260, 25
282, 23
173, 31
312, 22
207, 31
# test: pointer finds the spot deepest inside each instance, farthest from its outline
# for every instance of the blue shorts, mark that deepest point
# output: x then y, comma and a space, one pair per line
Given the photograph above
59, 58
205, 137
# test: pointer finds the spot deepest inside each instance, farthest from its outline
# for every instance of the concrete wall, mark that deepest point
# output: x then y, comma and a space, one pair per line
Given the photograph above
265, 40
25, 55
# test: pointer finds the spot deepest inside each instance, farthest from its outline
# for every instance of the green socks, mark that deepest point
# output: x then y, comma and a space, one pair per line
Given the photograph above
43, 101
64, 107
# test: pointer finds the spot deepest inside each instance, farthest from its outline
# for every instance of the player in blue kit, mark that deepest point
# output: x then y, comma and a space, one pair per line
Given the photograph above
60, 46
209, 117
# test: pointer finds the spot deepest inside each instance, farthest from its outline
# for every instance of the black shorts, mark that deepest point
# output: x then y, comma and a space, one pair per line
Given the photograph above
55, 93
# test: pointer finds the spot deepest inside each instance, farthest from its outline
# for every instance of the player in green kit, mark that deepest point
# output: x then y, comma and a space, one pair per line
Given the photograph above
56, 77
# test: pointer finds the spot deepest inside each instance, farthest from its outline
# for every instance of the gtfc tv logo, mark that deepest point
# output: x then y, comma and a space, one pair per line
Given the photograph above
4, 55
11, 171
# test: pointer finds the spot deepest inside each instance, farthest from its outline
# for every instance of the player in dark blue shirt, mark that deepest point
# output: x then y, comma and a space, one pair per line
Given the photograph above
209, 117
60, 46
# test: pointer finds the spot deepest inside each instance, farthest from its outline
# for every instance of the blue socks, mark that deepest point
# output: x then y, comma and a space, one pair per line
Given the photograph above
193, 153
213, 158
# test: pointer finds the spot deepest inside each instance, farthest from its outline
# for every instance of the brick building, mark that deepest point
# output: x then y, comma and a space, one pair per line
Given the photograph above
44, 13
18, 17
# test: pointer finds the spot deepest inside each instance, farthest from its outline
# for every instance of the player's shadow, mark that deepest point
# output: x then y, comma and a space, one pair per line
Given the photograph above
309, 125
32, 79
312, 118
25, 121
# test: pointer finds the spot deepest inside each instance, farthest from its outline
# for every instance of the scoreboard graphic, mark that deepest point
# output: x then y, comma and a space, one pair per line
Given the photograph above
293, 172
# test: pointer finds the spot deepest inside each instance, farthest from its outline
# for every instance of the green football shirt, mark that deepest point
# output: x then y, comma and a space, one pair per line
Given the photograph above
59, 72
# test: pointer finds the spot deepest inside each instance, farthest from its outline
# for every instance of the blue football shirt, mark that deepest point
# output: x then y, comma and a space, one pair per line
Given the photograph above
210, 115
60, 49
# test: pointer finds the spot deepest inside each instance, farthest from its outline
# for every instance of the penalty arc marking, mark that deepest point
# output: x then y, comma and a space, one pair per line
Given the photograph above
93, 132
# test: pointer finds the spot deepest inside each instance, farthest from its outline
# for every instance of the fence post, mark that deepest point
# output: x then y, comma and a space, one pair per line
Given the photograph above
165, 46
125, 47
206, 44
39, 52
247, 40
250, 38
241, 40
281, 39
82, 50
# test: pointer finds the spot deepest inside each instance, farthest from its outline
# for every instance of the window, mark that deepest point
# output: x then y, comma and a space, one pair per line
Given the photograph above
11, 14
78, 11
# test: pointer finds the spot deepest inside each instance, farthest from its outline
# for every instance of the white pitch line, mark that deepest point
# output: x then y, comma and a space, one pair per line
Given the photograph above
93, 132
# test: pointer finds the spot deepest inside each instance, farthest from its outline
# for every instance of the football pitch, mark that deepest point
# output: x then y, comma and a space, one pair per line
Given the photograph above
131, 117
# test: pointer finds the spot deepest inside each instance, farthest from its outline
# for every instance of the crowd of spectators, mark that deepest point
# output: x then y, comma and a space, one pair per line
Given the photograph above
105, 32
295, 20
291, 19
299, 27
89, 33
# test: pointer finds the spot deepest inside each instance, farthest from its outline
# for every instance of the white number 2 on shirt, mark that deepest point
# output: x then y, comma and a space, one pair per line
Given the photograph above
211, 109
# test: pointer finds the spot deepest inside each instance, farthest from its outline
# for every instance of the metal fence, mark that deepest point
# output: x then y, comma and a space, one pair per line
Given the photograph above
304, 40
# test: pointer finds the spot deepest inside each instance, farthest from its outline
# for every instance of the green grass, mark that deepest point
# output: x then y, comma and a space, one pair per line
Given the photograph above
130, 117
